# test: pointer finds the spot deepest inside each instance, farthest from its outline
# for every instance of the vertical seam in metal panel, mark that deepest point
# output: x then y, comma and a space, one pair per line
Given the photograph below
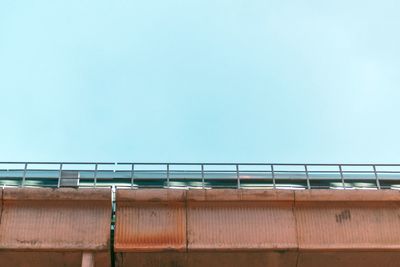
112, 230
1, 204
186, 221
296, 227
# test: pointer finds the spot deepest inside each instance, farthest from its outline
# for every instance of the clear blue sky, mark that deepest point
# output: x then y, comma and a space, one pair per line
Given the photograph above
239, 80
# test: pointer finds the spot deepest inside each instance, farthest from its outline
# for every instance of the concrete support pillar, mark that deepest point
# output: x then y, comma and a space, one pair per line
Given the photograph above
87, 259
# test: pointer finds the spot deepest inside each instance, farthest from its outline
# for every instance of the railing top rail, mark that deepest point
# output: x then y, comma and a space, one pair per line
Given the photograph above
198, 163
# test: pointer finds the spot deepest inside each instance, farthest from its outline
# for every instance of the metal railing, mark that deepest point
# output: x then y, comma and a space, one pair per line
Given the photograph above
200, 175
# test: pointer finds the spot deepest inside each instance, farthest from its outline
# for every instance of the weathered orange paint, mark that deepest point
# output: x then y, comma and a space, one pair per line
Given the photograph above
150, 220
276, 228
240, 220
220, 195
55, 219
348, 220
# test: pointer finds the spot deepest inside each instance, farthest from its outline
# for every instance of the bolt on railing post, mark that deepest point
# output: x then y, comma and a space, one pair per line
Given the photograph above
273, 177
167, 175
307, 177
378, 184
59, 176
202, 176
95, 175
238, 176
24, 176
132, 175
342, 176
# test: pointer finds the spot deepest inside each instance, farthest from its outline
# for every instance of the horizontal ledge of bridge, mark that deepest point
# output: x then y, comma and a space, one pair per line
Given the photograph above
54, 194
254, 195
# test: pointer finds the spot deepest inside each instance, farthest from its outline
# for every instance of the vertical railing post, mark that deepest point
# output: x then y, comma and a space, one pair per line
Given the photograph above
24, 176
273, 177
202, 176
95, 175
378, 184
167, 175
342, 176
307, 177
59, 175
132, 175
238, 176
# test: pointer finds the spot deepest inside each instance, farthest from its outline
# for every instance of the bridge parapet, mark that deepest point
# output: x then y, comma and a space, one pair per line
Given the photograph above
61, 223
290, 228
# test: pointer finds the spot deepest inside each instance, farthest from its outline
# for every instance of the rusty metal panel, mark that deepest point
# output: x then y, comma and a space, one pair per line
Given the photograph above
227, 221
348, 220
150, 220
55, 219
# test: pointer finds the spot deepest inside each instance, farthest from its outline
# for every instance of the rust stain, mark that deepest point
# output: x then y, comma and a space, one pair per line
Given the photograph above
148, 222
343, 216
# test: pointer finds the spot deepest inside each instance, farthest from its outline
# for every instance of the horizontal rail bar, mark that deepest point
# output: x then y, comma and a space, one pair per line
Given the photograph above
198, 163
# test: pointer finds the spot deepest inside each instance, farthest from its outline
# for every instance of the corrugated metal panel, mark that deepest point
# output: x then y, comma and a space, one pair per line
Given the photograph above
348, 227
150, 228
240, 225
348, 220
53, 224
150, 220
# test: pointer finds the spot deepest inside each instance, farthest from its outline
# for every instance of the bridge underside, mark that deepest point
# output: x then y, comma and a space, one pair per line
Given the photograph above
177, 228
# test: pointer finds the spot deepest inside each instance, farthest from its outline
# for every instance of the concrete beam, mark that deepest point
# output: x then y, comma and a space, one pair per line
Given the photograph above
277, 228
37, 221
88, 259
